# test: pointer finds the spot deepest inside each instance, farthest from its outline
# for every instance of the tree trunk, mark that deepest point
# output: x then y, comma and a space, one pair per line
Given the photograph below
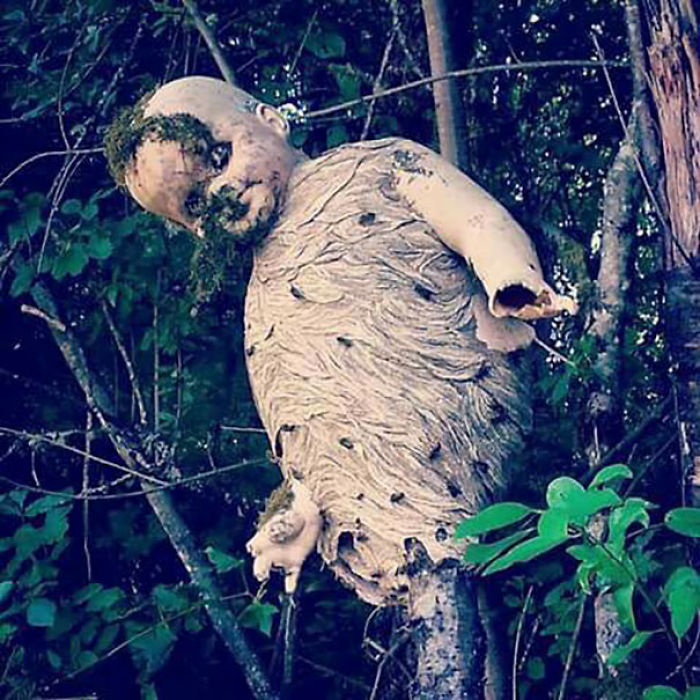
623, 196
675, 80
449, 636
449, 109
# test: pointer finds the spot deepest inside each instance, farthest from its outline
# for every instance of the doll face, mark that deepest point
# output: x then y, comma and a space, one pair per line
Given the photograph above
213, 161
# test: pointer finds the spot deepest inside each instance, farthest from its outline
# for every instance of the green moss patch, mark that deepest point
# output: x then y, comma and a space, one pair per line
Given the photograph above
128, 131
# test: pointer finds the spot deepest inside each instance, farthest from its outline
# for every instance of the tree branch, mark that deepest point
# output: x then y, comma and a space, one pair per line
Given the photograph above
449, 110
180, 536
463, 72
210, 40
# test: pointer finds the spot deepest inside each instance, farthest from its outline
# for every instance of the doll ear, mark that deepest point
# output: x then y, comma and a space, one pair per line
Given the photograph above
273, 119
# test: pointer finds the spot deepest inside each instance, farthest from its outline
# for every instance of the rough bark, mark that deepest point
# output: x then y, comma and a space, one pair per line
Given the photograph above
181, 538
674, 56
450, 639
635, 160
449, 109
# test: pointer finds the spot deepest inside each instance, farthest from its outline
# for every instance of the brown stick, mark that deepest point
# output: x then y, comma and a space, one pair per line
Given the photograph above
449, 110
464, 72
180, 536
210, 40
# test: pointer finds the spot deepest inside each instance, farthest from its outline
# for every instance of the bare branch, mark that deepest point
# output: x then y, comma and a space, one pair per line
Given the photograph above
208, 36
478, 70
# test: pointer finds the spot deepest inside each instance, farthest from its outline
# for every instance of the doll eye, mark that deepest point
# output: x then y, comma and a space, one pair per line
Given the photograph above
194, 204
220, 155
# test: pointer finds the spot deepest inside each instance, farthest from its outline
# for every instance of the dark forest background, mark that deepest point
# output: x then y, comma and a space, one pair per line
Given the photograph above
93, 598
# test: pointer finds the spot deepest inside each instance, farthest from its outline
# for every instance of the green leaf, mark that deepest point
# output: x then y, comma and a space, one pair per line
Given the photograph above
151, 650
5, 589
566, 494
553, 524
24, 276
71, 262
623, 597
99, 247
336, 135
104, 599
71, 206
524, 552
170, 599
661, 692
258, 616
535, 668
106, 639
45, 504
222, 561
85, 593
90, 211
693, 693
685, 521
633, 510
325, 44
682, 594
41, 612
621, 654
54, 660
492, 518
482, 553
611, 473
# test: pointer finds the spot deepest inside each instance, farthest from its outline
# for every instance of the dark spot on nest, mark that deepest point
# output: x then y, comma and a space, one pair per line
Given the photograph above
367, 218
499, 413
483, 372
453, 489
297, 474
250, 351
435, 452
347, 443
270, 333
360, 496
376, 574
481, 468
441, 534
296, 292
397, 497
346, 542
361, 537
344, 341
423, 291
409, 161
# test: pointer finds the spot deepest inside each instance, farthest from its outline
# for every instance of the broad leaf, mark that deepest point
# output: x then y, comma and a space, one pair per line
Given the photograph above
682, 594
258, 616
482, 553
41, 612
492, 518
685, 521
611, 473
222, 561
661, 692
524, 552
621, 654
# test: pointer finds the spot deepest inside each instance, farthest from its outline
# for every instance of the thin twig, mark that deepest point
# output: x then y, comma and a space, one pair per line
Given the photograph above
212, 44
48, 154
572, 647
133, 379
516, 648
376, 86
33, 311
96, 494
82, 453
555, 353
85, 488
477, 70
304, 39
